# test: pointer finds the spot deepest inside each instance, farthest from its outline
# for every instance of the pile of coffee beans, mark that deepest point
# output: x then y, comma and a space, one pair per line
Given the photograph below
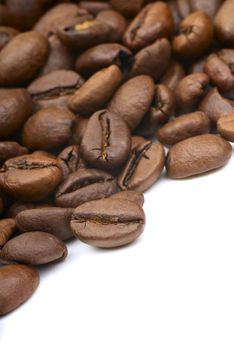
96, 98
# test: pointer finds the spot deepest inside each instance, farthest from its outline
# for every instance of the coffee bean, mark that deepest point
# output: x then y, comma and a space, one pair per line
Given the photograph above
53, 220
131, 196
34, 248
17, 284
154, 21
183, 127
102, 56
112, 144
190, 91
79, 130
70, 161
195, 36
85, 185
226, 126
143, 168
48, 128
18, 207
97, 91
224, 26
15, 108
210, 7
30, 177
128, 8
197, 155
116, 22
6, 34
7, 229
174, 73
94, 7
137, 141
54, 89
215, 106
22, 57
152, 60
10, 149
108, 223
133, 99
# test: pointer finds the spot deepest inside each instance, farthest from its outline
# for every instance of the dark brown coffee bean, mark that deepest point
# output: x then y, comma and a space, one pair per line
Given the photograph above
224, 25
128, 8
143, 168
226, 126
55, 88
133, 99
7, 229
53, 220
116, 22
79, 130
161, 109
183, 127
69, 160
131, 196
54, 17
108, 223
18, 207
30, 177
34, 248
137, 141
102, 56
15, 108
10, 149
215, 106
22, 57
197, 155
94, 7
154, 21
6, 34
111, 145
153, 60
17, 284
195, 36
220, 68
97, 91
82, 33
48, 128
85, 185
190, 91
174, 73
59, 57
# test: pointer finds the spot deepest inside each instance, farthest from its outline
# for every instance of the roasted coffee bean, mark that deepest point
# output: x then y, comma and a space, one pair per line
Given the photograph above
6, 34
152, 60
137, 141
34, 248
53, 220
154, 21
183, 127
79, 130
160, 111
102, 56
82, 33
226, 126
7, 229
143, 168
111, 145
108, 223
70, 161
116, 22
53, 18
17, 284
55, 88
22, 57
94, 7
59, 57
15, 108
85, 185
224, 25
220, 68
96, 92
215, 106
133, 99
195, 36
128, 8
190, 91
174, 73
30, 177
131, 196
210, 7
10, 149
18, 207
197, 155
48, 128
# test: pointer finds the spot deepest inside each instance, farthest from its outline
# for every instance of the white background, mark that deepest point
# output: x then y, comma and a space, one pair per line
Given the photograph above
172, 289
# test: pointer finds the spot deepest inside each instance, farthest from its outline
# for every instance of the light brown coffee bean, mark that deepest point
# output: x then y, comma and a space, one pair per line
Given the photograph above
226, 126
131, 196
197, 155
7, 229
224, 25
